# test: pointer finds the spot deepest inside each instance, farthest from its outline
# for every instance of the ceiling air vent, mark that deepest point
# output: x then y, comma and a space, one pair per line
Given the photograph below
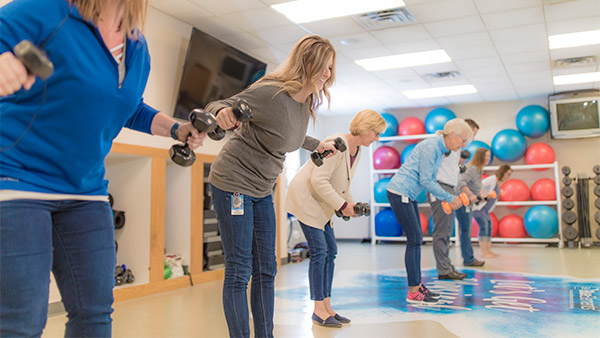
443, 75
575, 62
385, 19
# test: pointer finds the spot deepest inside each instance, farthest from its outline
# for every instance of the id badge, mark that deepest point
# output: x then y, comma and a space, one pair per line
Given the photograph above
237, 204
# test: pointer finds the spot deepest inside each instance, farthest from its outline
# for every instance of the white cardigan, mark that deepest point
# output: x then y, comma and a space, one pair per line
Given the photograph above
315, 193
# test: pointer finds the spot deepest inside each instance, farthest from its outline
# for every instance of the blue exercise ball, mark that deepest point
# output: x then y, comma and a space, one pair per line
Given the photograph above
380, 190
437, 118
422, 198
391, 125
509, 145
533, 121
386, 223
406, 152
431, 226
474, 145
541, 221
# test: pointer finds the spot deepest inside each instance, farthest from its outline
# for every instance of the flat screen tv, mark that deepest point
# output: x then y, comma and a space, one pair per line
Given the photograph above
575, 114
213, 70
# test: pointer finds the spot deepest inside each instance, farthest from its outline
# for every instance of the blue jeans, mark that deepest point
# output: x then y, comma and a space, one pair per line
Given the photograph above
73, 239
407, 215
322, 249
249, 247
464, 222
485, 225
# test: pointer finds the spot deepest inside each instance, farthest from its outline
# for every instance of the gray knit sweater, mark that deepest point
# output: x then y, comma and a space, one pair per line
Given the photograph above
251, 161
470, 178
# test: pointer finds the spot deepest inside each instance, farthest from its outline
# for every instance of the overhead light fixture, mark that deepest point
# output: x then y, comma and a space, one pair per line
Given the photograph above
404, 60
576, 78
303, 11
574, 39
440, 91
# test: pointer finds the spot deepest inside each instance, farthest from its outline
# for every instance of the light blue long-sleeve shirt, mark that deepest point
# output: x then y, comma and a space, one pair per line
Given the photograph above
420, 171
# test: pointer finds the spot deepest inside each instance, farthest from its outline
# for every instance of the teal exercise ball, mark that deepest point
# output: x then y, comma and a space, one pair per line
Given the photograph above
541, 221
437, 118
509, 145
533, 121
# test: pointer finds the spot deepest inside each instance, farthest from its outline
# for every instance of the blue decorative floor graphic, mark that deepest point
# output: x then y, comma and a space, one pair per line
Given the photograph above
485, 304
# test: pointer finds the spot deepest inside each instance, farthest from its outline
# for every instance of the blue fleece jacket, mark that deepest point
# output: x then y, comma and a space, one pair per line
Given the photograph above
420, 171
72, 129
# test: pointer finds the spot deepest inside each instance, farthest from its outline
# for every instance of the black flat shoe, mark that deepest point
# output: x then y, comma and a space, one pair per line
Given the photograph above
329, 322
453, 275
341, 319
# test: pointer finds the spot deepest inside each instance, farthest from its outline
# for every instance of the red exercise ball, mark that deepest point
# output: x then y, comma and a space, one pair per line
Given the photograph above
543, 189
514, 190
386, 157
494, 224
424, 223
539, 153
484, 176
411, 126
511, 226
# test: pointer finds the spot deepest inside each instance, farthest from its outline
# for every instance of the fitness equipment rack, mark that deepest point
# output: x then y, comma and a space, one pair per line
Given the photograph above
569, 217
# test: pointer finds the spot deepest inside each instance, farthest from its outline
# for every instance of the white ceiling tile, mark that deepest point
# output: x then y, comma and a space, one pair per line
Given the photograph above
464, 40
184, 10
215, 27
413, 46
521, 46
394, 74
245, 41
223, 7
401, 34
490, 6
529, 32
525, 77
470, 98
442, 10
487, 76
283, 34
364, 40
484, 50
257, 19
269, 53
572, 10
363, 53
435, 68
540, 56
527, 67
333, 27
519, 17
478, 63
432, 101
469, 24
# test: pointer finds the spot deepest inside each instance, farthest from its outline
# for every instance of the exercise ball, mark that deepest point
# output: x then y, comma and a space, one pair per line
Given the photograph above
406, 152
511, 226
474, 228
514, 190
509, 145
541, 221
431, 226
494, 220
484, 176
539, 153
474, 145
386, 223
543, 189
391, 125
380, 190
533, 121
422, 198
424, 223
386, 157
411, 126
437, 118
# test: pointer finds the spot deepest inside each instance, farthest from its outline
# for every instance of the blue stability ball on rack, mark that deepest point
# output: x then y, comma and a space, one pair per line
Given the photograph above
437, 118
431, 226
541, 221
380, 190
509, 145
406, 152
533, 121
386, 223
474, 145
391, 125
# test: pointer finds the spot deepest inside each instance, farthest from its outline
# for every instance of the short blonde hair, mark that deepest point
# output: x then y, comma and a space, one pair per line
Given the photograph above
365, 121
134, 14
458, 127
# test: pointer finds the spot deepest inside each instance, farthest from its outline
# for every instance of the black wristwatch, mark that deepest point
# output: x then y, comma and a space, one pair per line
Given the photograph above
174, 131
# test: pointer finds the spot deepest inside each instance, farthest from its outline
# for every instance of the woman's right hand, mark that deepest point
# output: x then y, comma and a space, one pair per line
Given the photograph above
349, 210
13, 74
456, 203
225, 119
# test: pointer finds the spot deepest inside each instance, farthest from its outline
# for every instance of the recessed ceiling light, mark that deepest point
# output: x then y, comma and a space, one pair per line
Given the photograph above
302, 11
404, 60
576, 78
440, 91
574, 39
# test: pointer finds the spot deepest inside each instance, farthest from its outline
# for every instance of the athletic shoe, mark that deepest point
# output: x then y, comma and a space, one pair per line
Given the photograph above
420, 298
476, 263
453, 275
425, 290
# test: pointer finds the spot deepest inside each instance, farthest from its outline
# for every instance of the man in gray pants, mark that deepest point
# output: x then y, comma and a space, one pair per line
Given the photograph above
442, 222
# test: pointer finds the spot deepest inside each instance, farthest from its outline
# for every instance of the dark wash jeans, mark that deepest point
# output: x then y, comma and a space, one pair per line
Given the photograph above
73, 239
249, 247
322, 249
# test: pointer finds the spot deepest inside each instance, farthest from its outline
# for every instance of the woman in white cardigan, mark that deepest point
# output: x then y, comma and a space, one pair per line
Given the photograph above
315, 194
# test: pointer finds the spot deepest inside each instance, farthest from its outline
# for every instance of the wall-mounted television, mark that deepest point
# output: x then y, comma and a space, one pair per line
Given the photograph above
213, 70
575, 114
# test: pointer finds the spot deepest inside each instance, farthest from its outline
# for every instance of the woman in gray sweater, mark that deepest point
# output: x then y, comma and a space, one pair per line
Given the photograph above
244, 173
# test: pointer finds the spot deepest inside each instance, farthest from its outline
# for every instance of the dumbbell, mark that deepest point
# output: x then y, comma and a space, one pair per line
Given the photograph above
317, 158
241, 111
34, 59
463, 198
464, 154
486, 198
360, 209
203, 121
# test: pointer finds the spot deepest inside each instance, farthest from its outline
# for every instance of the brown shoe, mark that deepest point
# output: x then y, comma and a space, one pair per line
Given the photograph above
453, 275
476, 263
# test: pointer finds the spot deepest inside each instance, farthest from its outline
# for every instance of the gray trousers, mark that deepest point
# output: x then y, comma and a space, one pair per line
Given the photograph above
442, 229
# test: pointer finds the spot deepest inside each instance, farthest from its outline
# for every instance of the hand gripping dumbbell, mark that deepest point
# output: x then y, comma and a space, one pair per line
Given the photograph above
360, 209
203, 121
317, 158
486, 198
241, 111
463, 198
464, 154
34, 59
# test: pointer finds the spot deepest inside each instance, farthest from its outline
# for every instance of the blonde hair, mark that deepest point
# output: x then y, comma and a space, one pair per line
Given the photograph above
478, 159
305, 64
133, 19
458, 127
365, 121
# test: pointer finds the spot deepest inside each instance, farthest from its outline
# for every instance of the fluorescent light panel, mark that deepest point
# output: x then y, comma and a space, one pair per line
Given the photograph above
574, 39
404, 60
302, 11
440, 91
576, 78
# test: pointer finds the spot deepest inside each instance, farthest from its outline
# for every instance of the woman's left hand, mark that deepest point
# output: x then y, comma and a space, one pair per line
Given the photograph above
326, 146
187, 133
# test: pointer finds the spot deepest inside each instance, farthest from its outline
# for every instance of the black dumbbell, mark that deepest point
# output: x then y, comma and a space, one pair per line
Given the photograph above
569, 217
570, 233
464, 154
596, 169
203, 121
317, 158
567, 180
566, 170
360, 209
34, 59
118, 218
567, 191
568, 203
241, 111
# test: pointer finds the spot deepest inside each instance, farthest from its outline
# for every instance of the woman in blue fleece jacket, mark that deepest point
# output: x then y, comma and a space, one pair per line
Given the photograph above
54, 136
